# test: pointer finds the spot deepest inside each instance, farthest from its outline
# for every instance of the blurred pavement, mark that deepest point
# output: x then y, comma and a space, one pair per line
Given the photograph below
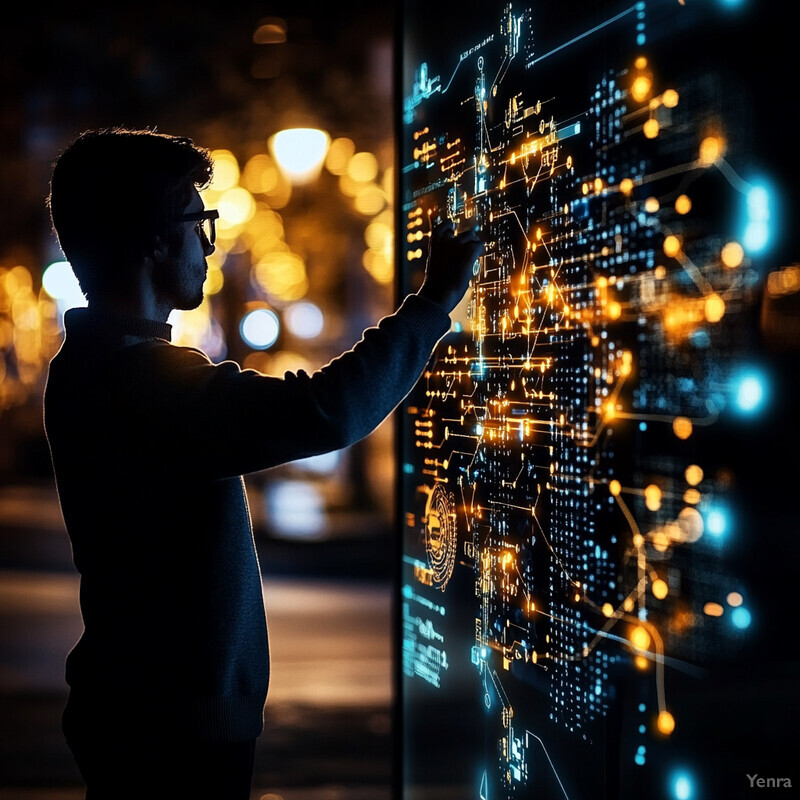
328, 724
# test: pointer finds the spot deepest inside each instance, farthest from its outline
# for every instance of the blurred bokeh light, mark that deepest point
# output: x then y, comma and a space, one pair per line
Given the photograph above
304, 252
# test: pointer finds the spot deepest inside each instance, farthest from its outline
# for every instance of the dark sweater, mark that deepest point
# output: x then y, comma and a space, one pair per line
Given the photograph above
149, 443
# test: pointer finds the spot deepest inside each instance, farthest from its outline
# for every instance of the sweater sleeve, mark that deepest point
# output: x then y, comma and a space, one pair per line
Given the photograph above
222, 420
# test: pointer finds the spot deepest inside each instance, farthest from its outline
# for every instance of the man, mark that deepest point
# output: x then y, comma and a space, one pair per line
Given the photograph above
149, 443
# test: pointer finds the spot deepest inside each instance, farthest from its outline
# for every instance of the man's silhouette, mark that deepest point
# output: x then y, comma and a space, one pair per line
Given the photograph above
149, 443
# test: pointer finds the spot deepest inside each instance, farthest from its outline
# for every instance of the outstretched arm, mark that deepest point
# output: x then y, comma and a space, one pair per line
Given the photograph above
451, 258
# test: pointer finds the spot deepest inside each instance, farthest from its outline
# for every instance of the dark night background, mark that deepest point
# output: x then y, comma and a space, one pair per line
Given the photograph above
195, 69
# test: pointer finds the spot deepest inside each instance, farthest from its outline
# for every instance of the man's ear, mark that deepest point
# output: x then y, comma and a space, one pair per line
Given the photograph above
159, 250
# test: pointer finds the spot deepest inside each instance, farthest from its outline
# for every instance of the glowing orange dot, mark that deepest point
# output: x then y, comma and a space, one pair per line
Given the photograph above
640, 88
672, 245
693, 474
660, 540
640, 662
682, 427
732, 255
692, 497
626, 186
683, 204
710, 149
660, 589
651, 205
714, 308
651, 128
713, 609
665, 723
640, 638
652, 497
734, 599
614, 487
690, 524
608, 609
670, 98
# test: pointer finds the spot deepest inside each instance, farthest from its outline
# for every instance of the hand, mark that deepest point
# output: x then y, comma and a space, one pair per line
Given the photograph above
451, 259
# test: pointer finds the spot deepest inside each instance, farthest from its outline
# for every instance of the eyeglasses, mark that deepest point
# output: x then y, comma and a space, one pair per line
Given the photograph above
206, 222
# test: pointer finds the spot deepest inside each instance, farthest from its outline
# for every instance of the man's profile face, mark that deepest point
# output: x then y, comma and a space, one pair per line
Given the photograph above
181, 276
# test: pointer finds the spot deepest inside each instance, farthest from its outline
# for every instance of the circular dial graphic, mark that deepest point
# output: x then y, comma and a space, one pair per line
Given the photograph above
441, 539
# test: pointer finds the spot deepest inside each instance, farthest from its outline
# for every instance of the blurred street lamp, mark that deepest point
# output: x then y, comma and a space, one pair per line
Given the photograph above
300, 153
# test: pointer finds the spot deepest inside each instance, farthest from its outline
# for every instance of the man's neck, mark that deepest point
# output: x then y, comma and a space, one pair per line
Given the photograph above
133, 306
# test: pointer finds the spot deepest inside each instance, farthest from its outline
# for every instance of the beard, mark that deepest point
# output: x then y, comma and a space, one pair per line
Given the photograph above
182, 287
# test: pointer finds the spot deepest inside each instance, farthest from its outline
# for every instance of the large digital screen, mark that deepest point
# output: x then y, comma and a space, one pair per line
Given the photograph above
596, 470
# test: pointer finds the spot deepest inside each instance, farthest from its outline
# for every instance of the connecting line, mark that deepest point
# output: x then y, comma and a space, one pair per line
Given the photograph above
552, 766
628, 516
467, 505
504, 65
668, 419
735, 180
460, 62
499, 689
550, 547
585, 34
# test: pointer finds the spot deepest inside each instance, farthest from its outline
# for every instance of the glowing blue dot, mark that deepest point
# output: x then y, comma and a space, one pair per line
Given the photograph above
700, 338
750, 393
756, 236
296, 509
682, 788
716, 523
639, 759
741, 617
642, 729
642, 426
260, 328
756, 232
642, 707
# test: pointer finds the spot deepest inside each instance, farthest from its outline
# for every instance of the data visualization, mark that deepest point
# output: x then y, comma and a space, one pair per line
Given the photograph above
593, 536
